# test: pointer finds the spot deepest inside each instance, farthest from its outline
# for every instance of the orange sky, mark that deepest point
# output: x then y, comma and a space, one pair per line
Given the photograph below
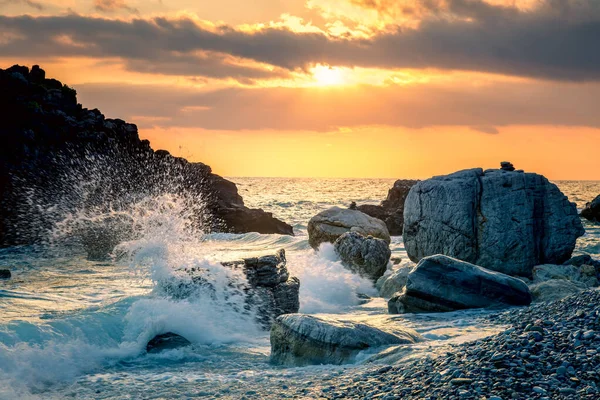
332, 88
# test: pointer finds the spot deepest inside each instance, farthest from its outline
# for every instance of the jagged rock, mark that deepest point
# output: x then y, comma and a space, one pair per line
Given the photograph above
554, 289
500, 220
391, 210
592, 210
328, 225
299, 339
166, 341
395, 282
57, 155
366, 256
440, 283
5, 274
585, 274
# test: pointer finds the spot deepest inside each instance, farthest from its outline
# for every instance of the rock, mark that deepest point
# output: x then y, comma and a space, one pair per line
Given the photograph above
554, 289
74, 161
366, 256
395, 282
583, 259
542, 273
299, 339
440, 283
328, 225
391, 210
507, 166
501, 220
5, 274
166, 341
592, 210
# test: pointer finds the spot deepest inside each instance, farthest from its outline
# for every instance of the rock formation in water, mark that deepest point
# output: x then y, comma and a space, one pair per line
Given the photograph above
592, 210
328, 225
366, 256
507, 221
440, 284
58, 157
389, 285
301, 339
166, 341
5, 274
391, 210
271, 290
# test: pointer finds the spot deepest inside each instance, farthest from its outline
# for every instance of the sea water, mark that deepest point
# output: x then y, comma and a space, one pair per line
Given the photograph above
74, 328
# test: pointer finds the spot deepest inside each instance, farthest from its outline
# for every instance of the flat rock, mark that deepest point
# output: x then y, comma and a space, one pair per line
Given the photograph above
507, 221
366, 256
328, 225
299, 339
440, 283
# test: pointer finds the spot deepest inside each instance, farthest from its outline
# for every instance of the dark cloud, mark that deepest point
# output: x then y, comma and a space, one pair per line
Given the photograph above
30, 3
484, 107
109, 6
557, 41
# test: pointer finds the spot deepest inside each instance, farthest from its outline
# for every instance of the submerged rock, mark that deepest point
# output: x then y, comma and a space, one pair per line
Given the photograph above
300, 339
439, 283
328, 225
507, 221
391, 210
166, 341
367, 256
554, 289
5, 274
592, 210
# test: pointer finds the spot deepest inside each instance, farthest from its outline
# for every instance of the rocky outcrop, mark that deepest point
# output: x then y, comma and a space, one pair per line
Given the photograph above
391, 210
327, 226
166, 341
300, 339
366, 256
271, 291
58, 158
592, 210
507, 221
440, 283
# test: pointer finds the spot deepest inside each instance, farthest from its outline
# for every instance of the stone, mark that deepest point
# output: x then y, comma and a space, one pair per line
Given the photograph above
554, 289
592, 210
395, 282
166, 341
507, 166
440, 283
299, 339
5, 274
391, 210
328, 225
366, 256
507, 221
547, 272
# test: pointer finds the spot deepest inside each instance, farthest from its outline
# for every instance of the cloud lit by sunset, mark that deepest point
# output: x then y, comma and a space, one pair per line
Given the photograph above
266, 88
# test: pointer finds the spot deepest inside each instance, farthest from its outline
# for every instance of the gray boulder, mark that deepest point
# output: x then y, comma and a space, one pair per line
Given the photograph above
584, 275
554, 289
300, 339
366, 256
395, 282
332, 223
592, 210
507, 221
440, 283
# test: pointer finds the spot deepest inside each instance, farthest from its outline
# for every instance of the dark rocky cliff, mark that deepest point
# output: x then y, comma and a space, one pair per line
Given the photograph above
57, 156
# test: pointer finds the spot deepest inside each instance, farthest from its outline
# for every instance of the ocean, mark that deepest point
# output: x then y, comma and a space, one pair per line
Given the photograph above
74, 328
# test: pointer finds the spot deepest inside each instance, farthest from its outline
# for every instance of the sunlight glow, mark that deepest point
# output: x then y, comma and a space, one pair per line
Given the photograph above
328, 76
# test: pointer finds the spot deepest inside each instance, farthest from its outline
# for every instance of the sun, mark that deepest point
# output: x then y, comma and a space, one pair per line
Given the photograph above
325, 75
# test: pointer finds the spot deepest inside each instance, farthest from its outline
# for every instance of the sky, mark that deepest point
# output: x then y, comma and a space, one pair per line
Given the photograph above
332, 88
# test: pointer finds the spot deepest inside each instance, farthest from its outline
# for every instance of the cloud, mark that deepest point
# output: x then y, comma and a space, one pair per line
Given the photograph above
486, 107
109, 6
30, 3
555, 41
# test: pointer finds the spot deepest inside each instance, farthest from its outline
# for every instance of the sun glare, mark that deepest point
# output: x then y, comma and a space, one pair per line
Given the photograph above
328, 76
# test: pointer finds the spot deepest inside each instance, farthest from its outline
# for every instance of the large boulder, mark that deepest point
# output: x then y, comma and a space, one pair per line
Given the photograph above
554, 289
584, 275
507, 221
440, 283
391, 210
592, 210
328, 225
366, 256
300, 339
